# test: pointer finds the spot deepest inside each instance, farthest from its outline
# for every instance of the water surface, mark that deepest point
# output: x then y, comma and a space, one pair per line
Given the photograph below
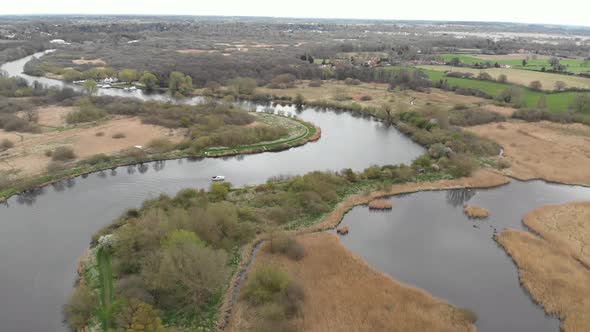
44, 231
427, 241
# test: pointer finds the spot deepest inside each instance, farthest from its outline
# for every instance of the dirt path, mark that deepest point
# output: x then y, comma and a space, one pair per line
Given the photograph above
555, 265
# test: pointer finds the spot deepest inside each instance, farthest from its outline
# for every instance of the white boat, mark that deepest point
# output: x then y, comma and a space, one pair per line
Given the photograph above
218, 178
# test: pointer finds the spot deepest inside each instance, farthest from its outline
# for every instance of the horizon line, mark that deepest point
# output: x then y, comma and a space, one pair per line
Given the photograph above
298, 18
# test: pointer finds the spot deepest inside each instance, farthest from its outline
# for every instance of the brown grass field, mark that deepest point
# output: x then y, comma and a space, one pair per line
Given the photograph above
378, 93
343, 293
476, 212
555, 265
521, 76
543, 150
28, 154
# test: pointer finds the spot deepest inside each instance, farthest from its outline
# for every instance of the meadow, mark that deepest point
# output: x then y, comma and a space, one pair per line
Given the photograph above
521, 77
574, 66
555, 102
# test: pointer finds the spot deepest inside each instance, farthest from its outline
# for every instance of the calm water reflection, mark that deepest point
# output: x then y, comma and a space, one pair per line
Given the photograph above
427, 241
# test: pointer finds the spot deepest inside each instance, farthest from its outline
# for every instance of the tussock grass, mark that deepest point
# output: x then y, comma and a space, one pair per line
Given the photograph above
475, 212
63, 153
380, 204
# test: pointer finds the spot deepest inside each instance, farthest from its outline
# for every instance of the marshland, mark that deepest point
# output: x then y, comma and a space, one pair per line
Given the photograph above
379, 175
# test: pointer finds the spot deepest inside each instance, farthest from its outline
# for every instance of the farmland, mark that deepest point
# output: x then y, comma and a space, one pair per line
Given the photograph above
521, 77
555, 102
575, 66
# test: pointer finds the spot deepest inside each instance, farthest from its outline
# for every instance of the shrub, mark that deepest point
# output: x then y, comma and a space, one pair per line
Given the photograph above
503, 163
6, 144
474, 117
538, 115
485, 76
298, 100
460, 165
81, 307
536, 85
502, 78
352, 81
99, 134
287, 245
366, 98
119, 135
243, 85
63, 153
292, 299
98, 159
11, 122
86, 113
315, 83
55, 167
160, 145
266, 285
283, 81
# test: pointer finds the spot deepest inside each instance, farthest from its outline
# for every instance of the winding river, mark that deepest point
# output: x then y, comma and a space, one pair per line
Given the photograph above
424, 241
43, 232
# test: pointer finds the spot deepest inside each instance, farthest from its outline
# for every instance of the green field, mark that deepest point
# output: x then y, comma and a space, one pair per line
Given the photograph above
521, 77
556, 102
575, 66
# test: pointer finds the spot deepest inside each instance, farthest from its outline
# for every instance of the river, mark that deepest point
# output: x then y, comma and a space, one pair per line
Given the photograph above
44, 232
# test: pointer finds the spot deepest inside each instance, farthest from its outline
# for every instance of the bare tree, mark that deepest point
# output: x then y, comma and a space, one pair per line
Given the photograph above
560, 85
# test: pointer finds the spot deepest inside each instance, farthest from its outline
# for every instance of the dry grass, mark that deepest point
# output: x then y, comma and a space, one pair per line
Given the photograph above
343, 230
543, 150
380, 204
343, 293
377, 93
522, 77
196, 51
96, 62
28, 153
504, 110
554, 266
476, 212
482, 178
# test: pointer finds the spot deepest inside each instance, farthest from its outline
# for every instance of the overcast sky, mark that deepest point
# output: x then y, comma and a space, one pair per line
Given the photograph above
572, 12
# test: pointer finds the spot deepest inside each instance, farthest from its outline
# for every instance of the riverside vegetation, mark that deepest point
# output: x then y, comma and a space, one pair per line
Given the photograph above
176, 254
212, 128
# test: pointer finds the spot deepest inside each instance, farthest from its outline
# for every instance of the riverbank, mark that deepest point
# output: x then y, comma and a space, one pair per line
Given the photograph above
308, 133
553, 261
